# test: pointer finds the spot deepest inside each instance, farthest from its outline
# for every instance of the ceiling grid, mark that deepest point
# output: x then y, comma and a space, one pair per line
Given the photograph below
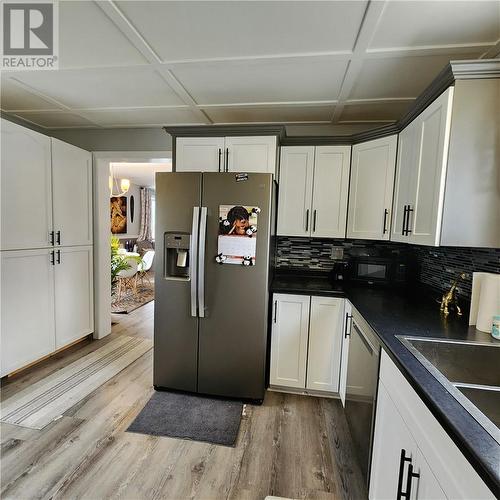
148, 64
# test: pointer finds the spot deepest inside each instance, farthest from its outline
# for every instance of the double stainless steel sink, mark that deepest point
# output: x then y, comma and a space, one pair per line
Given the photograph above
468, 370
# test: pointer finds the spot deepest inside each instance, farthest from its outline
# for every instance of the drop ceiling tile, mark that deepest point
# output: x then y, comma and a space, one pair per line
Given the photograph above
423, 23
272, 114
103, 87
140, 117
199, 30
52, 119
87, 37
387, 111
15, 97
275, 80
399, 76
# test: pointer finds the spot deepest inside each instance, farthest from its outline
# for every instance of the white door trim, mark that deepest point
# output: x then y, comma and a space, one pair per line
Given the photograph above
102, 259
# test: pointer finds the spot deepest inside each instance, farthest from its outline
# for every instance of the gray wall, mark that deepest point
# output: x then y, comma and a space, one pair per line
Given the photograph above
116, 139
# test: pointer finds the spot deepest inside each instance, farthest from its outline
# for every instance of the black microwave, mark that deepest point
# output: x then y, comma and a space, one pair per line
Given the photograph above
379, 270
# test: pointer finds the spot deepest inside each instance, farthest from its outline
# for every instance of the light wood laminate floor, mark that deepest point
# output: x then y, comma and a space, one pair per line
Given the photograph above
291, 446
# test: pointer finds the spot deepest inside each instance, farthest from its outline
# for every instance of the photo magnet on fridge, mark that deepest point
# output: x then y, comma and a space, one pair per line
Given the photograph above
237, 240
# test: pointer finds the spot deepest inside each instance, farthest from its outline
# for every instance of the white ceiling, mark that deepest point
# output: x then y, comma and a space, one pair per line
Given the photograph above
143, 64
141, 174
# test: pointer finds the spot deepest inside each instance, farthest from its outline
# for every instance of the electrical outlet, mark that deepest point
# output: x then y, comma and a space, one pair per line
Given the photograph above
337, 253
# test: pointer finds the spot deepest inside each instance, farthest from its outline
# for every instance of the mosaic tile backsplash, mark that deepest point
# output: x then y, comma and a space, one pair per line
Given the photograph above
435, 266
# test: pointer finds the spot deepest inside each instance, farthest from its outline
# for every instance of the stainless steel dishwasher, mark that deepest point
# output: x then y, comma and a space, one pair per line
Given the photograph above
361, 392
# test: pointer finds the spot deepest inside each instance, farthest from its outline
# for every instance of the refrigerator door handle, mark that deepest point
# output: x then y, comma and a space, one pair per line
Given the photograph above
201, 263
194, 260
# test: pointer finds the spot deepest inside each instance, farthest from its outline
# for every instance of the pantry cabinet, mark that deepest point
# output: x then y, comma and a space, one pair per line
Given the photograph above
72, 194
27, 307
226, 154
313, 190
371, 188
306, 343
26, 187
413, 457
73, 286
47, 263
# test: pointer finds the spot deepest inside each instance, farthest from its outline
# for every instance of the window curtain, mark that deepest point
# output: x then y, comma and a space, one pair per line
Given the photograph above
145, 227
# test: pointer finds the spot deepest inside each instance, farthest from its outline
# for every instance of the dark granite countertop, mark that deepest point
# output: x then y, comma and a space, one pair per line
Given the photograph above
413, 312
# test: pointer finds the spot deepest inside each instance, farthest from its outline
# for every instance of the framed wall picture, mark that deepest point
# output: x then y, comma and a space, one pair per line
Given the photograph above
118, 214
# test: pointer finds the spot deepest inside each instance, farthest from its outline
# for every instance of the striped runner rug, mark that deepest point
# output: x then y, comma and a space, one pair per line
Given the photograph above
46, 400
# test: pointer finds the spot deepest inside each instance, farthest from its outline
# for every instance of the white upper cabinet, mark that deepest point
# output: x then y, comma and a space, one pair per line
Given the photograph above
251, 154
74, 316
295, 190
289, 340
199, 154
371, 188
26, 188
325, 343
331, 184
27, 307
426, 206
421, 174
72, 194
226, 154
313, 188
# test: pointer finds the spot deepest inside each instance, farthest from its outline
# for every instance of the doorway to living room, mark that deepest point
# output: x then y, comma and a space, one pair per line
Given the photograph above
124, 232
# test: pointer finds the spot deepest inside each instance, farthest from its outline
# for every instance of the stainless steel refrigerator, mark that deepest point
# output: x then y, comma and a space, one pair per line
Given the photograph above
210, 319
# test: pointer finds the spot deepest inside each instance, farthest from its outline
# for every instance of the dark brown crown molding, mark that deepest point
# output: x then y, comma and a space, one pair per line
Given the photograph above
225, 130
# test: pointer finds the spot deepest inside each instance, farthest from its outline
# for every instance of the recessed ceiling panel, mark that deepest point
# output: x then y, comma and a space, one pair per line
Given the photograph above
275, 80
52, 119
141, 117
399, 76
275, 114
386, 111
87, 37
196, 30
15, 97
424, 23
103, 87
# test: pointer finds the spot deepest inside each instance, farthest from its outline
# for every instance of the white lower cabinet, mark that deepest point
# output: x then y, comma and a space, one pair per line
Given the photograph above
27, 312
46, 302
396, 458
346, 335
306, 342
325, 344
74, 294
413, 457
289, 340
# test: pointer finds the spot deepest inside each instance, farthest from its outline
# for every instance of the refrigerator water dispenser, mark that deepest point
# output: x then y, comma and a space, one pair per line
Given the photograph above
177, 255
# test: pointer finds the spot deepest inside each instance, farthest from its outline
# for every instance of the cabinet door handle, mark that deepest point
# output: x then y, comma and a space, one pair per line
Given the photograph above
275, 310
386, 213
227, 159
220, 157
52, 261
51, 238
347, 333
409, 480
404, 220
314, 221
307, 220
408, 211
403, 458
59, 256
58, 237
